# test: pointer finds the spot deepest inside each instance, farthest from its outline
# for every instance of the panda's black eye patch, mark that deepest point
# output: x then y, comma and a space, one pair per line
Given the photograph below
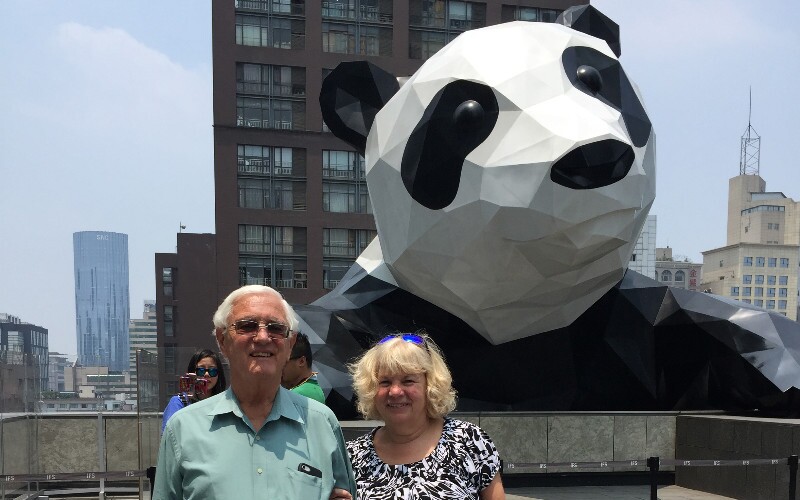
459, 118
610, 85
590, 77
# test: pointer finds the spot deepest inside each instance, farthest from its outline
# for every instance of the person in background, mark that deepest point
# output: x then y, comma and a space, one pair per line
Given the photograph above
419, 452
256, 439
297, 374
206, 364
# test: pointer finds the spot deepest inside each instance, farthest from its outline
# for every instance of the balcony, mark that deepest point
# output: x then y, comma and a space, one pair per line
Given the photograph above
336, 173
296, 8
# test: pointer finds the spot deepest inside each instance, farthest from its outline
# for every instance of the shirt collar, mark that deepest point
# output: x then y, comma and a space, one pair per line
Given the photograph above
283, 407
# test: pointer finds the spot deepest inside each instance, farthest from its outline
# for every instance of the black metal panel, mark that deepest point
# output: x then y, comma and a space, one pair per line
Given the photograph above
642, 346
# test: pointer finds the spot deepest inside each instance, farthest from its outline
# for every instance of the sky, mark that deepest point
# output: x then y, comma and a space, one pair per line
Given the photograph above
106, 125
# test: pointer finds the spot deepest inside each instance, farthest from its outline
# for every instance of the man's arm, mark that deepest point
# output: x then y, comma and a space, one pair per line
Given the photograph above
342, 469
168, 484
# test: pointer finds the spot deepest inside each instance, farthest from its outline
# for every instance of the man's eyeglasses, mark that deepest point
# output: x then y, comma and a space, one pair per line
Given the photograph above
405, 337
275, 331
212, 372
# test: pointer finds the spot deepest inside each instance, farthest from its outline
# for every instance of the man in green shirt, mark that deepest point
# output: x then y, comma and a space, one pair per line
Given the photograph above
256, 439
297, 374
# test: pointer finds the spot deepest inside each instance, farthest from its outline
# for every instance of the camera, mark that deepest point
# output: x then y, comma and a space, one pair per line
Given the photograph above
192, 385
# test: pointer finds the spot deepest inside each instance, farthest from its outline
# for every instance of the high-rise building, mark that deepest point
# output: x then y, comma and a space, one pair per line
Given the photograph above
759, 265
142, 335
643, 258
23, 363
59, 364
292, 206
102, 298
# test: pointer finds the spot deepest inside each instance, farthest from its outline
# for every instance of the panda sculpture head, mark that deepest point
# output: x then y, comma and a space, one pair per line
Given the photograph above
509, 176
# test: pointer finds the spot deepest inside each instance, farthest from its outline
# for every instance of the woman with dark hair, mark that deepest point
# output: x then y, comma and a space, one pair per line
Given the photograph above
207, 365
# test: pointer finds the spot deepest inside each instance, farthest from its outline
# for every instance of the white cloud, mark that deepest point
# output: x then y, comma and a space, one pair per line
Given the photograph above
108, 134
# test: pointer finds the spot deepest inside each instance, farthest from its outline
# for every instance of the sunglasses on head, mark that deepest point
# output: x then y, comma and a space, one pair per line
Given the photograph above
201, 372
405, 337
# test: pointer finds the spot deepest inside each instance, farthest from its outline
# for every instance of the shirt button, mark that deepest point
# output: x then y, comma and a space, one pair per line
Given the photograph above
258, 438
259, 470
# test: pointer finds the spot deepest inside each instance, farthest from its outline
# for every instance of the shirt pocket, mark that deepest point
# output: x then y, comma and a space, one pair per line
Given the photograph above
305, 486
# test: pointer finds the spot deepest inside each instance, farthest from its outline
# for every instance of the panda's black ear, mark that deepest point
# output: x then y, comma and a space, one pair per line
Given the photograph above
587, 19
351, 96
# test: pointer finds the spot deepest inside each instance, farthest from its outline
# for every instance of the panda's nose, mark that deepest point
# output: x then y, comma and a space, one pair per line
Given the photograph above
593, 165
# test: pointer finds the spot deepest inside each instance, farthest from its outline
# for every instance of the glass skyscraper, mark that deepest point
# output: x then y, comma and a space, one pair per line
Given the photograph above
102, 307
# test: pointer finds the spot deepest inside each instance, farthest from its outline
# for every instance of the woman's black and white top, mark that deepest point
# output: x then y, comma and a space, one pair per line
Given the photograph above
463, 463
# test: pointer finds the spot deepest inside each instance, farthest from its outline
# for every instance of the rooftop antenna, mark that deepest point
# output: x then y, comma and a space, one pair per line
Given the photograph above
750, 157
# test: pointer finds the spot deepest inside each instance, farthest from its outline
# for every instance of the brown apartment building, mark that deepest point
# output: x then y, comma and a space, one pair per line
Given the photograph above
292, 206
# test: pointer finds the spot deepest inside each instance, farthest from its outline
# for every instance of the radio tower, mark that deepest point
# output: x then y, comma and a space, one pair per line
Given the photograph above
750, 157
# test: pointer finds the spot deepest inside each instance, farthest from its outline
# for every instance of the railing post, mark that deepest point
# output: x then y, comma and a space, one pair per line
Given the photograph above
792, 477
653, 464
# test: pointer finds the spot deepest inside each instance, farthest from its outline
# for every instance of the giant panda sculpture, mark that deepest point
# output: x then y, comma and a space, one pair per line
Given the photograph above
510, 177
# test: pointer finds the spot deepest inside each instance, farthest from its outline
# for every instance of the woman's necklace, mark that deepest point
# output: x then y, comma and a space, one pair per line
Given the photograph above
305, 380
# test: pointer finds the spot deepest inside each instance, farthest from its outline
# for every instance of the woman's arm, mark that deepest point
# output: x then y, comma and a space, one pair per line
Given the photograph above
495, 489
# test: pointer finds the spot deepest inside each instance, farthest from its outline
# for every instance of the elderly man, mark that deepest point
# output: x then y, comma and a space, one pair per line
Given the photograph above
256, 439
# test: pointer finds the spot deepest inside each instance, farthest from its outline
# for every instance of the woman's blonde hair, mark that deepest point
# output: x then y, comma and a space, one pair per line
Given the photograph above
396, 356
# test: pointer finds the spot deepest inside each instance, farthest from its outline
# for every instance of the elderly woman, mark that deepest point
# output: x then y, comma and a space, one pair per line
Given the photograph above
419, 452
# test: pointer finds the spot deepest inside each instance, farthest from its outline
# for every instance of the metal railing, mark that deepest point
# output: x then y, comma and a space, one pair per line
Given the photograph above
654, 464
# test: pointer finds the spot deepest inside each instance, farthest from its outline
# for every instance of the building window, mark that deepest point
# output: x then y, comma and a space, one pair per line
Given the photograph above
344, 187
770, 292
759, 302
770, 304
734, 291
666, 275
759, 261
265, 161
784, 262
746, 291
781, 304
167, 276
269, 80
746, 301
680, 276
774, 226
783, 292
772, 262
423, 44
273, 256
340, 247
759, 291
356, 38
771, 279
270, 177
748, 261
783, 280
169, 321
270, 96
434, 23
516, 13
267, 112
277, 24
759, 279
170, 355
747, 279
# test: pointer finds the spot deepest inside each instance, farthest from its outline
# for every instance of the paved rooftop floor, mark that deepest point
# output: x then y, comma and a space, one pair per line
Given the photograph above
607, 493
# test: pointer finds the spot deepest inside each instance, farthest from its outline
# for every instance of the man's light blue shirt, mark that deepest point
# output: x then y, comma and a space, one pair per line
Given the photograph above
209, 450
